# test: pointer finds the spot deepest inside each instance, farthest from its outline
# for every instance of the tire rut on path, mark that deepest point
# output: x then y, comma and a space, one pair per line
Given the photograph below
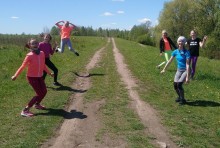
146, 113
81, 129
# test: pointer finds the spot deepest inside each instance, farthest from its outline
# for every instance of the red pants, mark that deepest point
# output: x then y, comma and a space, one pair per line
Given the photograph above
40, 89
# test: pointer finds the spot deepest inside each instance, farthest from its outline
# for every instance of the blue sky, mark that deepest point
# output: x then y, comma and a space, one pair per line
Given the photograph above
33, 16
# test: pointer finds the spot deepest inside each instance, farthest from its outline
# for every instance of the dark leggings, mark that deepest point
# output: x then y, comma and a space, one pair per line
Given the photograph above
178, 86
52, 67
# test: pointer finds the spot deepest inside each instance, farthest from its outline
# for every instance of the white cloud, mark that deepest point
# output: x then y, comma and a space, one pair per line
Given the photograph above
120, 12
118, 0
107, 14
144, 20
14, 17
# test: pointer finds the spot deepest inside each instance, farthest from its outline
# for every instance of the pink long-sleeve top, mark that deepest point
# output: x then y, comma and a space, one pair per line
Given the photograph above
46, 48
35, 63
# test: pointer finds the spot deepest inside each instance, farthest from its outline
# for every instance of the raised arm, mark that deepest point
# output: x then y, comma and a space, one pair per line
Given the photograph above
202, 43
58, 23
72, 25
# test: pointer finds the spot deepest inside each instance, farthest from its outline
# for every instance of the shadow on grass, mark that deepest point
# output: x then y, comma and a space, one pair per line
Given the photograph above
60, 112
67, 88
203, 103
89, 75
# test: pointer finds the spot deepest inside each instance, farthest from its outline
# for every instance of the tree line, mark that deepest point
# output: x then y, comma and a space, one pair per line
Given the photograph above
178, 17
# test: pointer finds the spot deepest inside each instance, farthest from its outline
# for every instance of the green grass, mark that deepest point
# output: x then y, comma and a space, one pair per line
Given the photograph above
17, 131
194, 125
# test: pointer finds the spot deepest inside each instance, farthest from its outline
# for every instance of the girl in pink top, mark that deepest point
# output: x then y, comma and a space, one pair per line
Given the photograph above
65, 32
35, 61
46, 47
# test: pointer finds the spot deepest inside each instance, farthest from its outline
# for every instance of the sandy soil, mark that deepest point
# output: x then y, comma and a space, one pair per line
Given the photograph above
79, 130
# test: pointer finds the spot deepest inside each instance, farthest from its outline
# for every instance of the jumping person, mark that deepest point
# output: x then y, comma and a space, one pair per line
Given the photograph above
35, 61
65, 32
46, 47
183, 71
194, 44
166, 46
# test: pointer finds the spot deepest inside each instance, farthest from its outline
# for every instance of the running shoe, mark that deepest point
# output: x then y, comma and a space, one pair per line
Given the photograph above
26, 113
40, 107
76, 53
57, 84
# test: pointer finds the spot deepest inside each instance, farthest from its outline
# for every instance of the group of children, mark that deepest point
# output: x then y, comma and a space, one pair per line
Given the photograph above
37, 61
186, 59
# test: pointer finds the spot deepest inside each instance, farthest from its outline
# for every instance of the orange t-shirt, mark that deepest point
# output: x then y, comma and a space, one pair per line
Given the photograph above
166, 44
35, 63
65, 31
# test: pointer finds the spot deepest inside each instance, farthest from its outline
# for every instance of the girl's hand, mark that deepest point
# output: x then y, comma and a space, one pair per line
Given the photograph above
187, 80
52, 74
161, 54
13, 78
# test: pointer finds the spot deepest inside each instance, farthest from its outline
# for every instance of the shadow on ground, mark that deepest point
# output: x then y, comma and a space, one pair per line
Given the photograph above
67, 88
203, 103
60, 112
89, 75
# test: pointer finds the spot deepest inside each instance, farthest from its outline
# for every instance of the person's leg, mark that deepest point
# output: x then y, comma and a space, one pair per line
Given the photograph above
53, 68
71, 47
175, 84
194, 61
180, 87
40, 89
62, 45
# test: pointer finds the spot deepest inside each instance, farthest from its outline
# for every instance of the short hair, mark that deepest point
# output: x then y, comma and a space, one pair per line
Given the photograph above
182, 38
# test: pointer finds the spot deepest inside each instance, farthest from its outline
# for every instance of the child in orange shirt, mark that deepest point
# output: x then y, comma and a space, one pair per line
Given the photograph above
35, 61
65, 32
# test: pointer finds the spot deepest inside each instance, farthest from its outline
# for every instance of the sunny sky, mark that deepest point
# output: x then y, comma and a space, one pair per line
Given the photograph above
32, 16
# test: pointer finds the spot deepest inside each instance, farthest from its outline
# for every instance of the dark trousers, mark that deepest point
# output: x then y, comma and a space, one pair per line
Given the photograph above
40, 89
52, 67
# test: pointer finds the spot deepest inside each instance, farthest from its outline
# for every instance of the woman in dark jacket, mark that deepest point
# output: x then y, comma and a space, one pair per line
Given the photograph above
166, 45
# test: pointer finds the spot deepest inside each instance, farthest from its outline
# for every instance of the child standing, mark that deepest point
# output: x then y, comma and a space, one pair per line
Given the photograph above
166, 46
65, 32
35, 61
182, 75
194, 44
46, 47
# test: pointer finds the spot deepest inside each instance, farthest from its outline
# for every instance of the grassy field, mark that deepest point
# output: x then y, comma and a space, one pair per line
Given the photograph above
17, 131
195, 125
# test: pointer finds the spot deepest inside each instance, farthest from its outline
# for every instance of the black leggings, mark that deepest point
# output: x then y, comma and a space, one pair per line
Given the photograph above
178, 86
52, 67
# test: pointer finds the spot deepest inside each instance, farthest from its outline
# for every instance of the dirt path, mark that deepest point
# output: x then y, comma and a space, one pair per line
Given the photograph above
146, 113
82, 122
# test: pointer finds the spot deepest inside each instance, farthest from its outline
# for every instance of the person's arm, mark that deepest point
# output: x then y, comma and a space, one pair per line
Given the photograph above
74, 26
20, 69
161, 47
58, 23
167, 64
171, 43
202, 43
187, 70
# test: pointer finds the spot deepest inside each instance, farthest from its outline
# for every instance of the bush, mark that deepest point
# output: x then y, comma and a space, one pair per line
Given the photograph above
146, 40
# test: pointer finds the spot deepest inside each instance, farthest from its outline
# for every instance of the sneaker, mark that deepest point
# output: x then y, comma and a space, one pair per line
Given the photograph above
76, 53
158, 67
26, 113
177, 99
182, 102
40, 107
57, 84
57, 49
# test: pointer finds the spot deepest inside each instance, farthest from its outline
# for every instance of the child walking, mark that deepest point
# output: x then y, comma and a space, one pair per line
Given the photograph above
35, 61
183, 71
65, 32
46, 47
166, 46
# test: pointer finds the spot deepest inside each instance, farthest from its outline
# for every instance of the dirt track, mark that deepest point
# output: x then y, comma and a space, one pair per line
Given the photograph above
79, 132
